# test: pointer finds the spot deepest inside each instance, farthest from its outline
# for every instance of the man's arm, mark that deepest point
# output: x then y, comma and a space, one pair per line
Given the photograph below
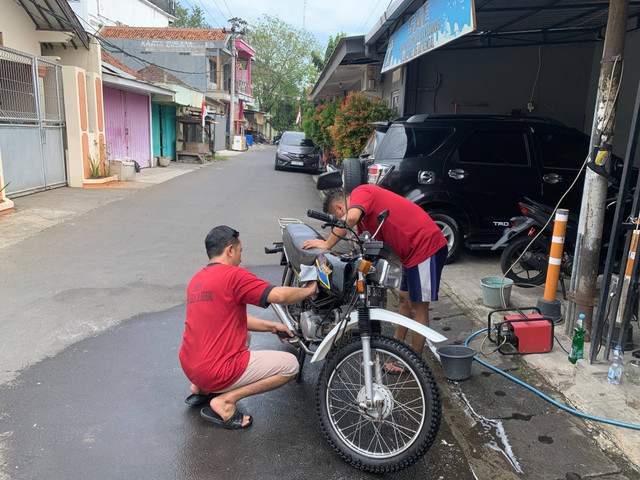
291, 295
259, 325
353, 217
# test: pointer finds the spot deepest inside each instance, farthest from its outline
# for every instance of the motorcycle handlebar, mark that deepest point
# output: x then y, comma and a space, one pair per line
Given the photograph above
322, 216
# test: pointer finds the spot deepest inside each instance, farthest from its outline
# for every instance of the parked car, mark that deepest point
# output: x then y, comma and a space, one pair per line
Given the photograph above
297, 151
470, 171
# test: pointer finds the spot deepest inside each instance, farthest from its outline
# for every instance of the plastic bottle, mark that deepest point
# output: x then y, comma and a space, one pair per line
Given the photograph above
615, 370
577, 346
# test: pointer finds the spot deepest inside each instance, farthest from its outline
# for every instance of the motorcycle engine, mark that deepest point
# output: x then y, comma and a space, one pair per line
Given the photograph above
313, 327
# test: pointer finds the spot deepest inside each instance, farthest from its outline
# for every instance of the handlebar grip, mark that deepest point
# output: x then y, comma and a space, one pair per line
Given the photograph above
321, 216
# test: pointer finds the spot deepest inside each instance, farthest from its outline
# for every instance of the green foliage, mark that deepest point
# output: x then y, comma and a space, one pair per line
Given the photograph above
351, 128
320, 62
6, 185
194, 19
99, 163
316, 123
282, 69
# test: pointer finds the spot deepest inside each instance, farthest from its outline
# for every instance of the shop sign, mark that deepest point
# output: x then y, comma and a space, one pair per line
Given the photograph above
434, 24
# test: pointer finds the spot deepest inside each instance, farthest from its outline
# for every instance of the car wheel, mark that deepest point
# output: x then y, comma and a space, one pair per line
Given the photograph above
451, 231
351, 173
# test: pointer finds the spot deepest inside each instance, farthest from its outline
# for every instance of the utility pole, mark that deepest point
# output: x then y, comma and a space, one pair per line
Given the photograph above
589, 241
236, 31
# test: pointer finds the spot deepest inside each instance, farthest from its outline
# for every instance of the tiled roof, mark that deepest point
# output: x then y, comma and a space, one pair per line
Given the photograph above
114, 62
168, 33
153, 73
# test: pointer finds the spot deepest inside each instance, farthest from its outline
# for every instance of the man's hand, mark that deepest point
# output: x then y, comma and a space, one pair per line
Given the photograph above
315, 243
280, 327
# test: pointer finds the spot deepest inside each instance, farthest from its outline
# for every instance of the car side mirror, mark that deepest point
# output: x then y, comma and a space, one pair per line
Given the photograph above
327, 180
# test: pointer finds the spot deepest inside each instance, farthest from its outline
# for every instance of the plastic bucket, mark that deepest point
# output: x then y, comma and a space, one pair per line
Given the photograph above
456, 361
128, 172
491, 291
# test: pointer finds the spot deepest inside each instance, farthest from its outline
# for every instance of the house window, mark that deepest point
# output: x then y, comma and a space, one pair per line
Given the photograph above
213, 73
226, 73
395, 99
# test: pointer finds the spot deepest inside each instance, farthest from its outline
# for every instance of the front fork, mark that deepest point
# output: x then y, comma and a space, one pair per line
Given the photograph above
369, 367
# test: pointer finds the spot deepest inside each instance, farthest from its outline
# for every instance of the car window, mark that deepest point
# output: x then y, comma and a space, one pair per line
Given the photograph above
562, 150
408, 141
494, 148
295, 139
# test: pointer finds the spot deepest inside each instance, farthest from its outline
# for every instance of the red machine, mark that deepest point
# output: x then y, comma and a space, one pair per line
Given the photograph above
520, 333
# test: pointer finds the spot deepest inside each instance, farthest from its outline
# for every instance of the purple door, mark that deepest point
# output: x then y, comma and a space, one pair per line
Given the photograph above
127, 125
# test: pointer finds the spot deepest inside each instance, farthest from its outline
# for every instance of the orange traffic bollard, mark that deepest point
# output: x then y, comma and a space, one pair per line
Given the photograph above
548, 305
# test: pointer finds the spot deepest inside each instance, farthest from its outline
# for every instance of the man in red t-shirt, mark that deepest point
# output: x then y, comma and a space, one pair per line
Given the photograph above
416, 239
214, 354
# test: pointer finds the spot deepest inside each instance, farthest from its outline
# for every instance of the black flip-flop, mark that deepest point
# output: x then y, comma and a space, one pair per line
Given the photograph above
232, 423
398, 365
196, 399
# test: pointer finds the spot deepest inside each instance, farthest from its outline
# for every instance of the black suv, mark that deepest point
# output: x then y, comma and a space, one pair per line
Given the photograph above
470, 171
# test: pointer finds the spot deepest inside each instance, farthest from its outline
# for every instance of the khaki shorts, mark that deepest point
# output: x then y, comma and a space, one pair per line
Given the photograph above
265, 364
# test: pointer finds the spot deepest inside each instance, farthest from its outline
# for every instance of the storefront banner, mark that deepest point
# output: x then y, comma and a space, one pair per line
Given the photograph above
433, 25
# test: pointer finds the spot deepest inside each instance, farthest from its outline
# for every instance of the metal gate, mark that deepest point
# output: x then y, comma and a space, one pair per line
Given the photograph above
31, 123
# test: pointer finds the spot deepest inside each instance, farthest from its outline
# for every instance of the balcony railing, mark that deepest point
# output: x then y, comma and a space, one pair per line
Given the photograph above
168, 6
243, 87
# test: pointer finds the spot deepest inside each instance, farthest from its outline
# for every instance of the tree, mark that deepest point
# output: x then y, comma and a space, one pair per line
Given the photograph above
282, 69
332, 43
195, 19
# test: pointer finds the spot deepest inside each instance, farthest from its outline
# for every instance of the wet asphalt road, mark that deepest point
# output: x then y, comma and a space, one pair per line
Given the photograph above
92, 387
104, 400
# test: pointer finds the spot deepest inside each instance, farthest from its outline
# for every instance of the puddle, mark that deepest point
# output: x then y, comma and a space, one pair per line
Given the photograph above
493, 433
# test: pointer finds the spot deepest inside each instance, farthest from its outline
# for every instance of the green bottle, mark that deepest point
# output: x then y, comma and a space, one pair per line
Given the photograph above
577, 346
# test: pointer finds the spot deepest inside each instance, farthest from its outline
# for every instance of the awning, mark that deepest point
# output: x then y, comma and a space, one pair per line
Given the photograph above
56, 15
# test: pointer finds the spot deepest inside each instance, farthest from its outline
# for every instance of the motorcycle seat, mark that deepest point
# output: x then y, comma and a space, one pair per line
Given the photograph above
293, 237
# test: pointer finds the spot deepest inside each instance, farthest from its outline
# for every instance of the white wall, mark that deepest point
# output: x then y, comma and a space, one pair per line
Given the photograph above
133, 13
18, 30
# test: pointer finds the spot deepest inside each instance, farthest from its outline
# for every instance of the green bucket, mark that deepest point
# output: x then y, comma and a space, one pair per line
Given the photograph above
491, 291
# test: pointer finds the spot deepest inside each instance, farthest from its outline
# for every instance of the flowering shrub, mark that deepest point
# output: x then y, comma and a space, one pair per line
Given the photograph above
316, 123
351, 128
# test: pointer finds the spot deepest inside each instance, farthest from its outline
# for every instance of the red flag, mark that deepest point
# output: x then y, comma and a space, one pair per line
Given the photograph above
204, 112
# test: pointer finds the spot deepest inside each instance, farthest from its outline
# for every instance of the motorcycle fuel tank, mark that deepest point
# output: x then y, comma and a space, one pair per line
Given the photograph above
334, 274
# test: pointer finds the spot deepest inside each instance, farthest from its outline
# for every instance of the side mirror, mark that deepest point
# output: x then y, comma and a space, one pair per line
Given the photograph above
327, 180
382, 216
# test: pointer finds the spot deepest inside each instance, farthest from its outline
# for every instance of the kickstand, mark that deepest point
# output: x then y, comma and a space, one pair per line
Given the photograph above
563, 288
301, 357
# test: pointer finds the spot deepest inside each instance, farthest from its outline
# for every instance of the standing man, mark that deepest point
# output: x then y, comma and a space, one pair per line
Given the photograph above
415, 238
214, 353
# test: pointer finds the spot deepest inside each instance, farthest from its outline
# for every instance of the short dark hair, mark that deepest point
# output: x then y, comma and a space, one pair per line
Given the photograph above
336, 195
219, 238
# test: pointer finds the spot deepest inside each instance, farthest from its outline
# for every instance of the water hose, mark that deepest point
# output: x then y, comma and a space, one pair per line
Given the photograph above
547, 398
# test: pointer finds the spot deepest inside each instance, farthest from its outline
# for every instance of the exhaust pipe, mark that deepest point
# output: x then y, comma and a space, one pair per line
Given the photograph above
283, 316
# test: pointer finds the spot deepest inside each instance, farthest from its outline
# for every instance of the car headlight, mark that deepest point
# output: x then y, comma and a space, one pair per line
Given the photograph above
283, 152
387, 274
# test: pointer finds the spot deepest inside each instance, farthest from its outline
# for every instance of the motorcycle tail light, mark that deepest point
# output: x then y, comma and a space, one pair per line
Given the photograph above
523, 209
531, 232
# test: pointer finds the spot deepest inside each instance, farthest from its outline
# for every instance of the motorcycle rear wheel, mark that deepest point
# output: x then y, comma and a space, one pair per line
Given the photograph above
408, 420
524, 273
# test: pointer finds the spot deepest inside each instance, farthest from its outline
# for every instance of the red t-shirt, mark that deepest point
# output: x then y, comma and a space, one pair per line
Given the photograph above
214, 352
408, 228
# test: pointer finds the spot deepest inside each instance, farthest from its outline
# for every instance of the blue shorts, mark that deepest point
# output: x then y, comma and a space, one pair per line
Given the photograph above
423, 281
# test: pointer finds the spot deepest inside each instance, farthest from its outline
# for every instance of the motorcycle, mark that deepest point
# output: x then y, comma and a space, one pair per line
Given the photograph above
377, 420
531, 268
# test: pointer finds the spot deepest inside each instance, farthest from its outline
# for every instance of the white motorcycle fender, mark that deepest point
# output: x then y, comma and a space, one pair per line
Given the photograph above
383, 316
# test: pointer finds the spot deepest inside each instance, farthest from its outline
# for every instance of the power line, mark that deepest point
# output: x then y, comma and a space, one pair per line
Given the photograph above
209, 13
228, 9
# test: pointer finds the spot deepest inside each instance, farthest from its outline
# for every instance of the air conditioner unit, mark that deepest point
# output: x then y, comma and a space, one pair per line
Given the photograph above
368, 78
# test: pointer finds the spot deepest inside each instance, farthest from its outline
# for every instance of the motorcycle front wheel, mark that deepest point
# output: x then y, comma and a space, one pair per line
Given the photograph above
402, 426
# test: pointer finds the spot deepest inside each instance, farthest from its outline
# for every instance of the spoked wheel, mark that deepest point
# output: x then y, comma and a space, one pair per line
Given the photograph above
531, 269
403, 424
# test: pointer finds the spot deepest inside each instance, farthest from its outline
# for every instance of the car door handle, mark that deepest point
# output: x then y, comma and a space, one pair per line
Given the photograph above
458, 174
552, 178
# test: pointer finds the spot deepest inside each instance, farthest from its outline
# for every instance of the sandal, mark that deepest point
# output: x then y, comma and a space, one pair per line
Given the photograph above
232, 423
199, 398
395, 368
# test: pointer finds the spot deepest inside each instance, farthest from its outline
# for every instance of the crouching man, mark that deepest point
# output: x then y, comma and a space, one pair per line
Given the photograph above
214, 353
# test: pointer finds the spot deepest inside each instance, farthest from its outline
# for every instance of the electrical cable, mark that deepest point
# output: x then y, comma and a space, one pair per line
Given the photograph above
551, 216
545, 397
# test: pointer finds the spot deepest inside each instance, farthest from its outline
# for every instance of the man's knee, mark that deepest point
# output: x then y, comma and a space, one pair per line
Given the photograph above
289, 366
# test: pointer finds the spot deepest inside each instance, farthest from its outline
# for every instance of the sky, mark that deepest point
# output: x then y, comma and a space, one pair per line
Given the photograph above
323, 18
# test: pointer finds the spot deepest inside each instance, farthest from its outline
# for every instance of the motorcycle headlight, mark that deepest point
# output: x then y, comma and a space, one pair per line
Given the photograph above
387, 274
